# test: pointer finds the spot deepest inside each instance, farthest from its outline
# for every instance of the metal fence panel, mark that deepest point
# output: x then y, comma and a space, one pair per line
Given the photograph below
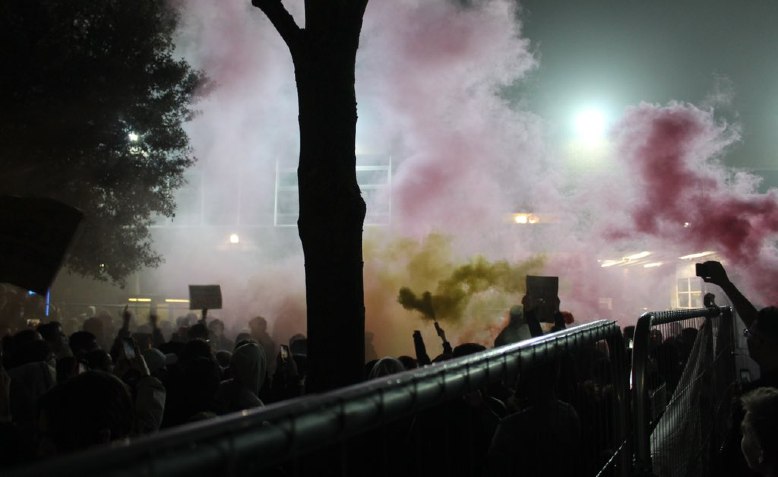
326, 434
683, 371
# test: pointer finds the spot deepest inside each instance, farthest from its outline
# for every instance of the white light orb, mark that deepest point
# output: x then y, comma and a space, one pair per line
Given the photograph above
590, 125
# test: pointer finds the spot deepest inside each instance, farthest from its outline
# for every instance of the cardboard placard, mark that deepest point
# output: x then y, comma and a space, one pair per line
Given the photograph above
205, 297
35, 233
542, 287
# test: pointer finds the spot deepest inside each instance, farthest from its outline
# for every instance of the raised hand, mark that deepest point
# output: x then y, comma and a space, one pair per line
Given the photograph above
126, 316
714, 273
440, 331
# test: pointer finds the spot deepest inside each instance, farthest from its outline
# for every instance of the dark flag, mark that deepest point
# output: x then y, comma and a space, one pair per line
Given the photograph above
34, 235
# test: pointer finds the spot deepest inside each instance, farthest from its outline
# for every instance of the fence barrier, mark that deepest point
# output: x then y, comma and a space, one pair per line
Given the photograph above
682, 376
294, 437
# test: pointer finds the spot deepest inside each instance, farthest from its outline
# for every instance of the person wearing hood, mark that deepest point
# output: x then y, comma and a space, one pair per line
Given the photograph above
516, 330
248, 367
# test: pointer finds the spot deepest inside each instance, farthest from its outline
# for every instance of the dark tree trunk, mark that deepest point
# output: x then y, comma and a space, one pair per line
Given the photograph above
332, 211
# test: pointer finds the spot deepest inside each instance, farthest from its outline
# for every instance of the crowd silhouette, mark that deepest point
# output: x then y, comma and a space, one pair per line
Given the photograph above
68, 385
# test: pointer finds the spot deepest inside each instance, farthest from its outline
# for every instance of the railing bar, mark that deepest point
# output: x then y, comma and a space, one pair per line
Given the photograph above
302, 416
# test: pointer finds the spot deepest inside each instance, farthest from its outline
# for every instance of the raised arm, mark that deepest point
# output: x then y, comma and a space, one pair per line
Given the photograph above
421, 350
447, 350
715, 273
156, 334
531, 312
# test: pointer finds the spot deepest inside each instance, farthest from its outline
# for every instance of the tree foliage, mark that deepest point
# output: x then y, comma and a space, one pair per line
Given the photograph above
92, 113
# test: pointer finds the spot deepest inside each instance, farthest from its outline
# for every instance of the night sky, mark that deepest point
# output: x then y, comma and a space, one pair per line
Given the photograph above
613, 54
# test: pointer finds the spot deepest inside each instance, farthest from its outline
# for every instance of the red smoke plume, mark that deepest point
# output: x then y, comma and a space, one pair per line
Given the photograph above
685, 196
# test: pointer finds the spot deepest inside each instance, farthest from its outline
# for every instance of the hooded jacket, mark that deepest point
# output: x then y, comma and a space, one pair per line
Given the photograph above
248, 367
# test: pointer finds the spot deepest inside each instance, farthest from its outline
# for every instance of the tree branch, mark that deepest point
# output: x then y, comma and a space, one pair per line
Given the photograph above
281, 19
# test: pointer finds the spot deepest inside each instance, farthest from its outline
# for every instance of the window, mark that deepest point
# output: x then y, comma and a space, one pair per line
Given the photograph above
374, 176
689, 292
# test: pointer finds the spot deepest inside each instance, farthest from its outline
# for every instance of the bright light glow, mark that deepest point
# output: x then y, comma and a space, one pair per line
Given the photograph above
525, 218
234, 238
610, 263
628, 260
133, 137
139, 300
590, 125
686, 225
692, 256
176, 300
652, 265
637, 256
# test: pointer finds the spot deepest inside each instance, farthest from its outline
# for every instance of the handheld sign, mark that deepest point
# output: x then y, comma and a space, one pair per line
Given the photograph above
35, 233
205, 297
542, 287
544, 290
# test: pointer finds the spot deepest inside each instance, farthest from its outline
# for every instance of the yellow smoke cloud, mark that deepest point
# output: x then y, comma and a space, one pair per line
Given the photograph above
470, 298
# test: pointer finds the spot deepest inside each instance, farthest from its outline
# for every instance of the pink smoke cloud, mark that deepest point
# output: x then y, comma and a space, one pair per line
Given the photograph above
429, 75
428, 78
673, 155
437, 69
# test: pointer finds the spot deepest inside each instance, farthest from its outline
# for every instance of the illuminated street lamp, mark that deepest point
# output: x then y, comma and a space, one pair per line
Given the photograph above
590, 126
234, 238
589, 142
524, 218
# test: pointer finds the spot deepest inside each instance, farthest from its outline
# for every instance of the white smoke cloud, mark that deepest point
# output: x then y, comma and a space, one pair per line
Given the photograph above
429, 80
